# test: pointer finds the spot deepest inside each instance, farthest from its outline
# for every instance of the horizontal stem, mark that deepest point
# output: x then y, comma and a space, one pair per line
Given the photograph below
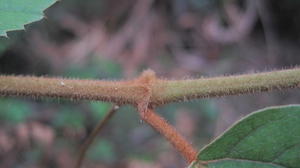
161, 91
121, 92
165, 91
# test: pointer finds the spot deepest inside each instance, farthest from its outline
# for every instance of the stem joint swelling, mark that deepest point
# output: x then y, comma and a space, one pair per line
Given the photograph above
147, 80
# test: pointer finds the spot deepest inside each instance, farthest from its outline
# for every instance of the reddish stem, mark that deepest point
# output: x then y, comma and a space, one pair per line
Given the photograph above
170, 133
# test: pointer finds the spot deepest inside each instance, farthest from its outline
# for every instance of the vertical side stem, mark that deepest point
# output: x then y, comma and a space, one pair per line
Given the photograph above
170, 133
93, 135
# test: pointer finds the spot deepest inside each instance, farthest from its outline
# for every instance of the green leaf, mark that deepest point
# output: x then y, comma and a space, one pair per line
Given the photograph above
269, 138
14, 14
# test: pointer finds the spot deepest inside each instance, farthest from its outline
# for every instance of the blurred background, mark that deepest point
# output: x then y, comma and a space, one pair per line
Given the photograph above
111, 39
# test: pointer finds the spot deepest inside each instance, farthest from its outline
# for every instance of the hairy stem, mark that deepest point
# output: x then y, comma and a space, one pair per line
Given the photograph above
170, 133
93, 135
121, 92
161, 91
165, 91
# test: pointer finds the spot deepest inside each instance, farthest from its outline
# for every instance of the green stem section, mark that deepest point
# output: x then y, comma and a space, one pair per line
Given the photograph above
161, 91
165, 91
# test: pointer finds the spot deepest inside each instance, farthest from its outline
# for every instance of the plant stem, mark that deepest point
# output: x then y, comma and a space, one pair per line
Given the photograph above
121, 92
170, 133
93, 135
161, 91
165, 91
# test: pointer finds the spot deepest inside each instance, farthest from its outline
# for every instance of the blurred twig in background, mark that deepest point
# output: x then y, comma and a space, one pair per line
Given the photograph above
94, 133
